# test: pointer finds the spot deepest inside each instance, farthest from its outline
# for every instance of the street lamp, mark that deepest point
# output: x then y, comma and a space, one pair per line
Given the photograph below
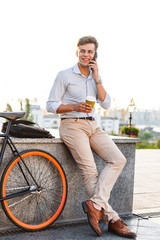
131, 109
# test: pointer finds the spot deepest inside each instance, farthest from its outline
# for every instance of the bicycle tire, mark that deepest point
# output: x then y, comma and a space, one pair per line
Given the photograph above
36, 210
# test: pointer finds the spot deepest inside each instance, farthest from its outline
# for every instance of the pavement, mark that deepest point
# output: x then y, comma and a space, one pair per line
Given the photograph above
145, 220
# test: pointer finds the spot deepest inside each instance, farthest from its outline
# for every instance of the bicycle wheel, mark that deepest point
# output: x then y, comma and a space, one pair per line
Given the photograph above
37, 209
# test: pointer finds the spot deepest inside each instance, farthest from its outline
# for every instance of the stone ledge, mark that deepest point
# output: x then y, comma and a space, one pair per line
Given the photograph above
121, 196
116, 139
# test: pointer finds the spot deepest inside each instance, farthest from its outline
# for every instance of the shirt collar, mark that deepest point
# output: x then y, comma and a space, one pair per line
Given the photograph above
76, 70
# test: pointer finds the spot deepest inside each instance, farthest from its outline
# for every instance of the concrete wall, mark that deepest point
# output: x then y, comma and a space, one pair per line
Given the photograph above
121, 196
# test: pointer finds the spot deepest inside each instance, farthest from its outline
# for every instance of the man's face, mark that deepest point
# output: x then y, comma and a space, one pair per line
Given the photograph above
85, 53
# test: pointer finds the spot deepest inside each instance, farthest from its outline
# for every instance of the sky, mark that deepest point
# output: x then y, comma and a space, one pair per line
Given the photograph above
38, 39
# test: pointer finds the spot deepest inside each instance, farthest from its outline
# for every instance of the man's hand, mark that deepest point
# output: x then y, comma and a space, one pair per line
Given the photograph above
79, 107
93, 65
83, 107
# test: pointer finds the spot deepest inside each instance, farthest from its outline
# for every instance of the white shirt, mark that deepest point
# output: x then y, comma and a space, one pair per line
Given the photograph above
71, 87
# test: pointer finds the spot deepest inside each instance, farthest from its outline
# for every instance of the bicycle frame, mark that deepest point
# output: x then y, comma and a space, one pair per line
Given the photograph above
7, 140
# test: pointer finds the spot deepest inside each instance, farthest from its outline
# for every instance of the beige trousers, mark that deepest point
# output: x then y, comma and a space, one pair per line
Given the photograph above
83, 136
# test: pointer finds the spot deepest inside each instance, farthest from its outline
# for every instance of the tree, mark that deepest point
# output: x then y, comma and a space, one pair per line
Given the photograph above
146, 136
158, 143
21, 104
8, 108
28, 116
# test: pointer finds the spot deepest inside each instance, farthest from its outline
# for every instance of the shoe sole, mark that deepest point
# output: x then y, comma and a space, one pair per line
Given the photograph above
85, 209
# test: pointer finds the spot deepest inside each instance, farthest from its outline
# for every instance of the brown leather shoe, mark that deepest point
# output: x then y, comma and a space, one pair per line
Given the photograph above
121, 229
93, 215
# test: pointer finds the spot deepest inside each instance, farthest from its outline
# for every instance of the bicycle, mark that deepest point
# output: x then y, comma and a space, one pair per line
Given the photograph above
33, 188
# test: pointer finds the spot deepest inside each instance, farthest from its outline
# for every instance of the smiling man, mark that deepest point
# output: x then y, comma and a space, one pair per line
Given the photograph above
81, 134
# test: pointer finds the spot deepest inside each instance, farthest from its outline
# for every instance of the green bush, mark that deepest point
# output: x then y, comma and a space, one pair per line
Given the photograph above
158, 143
146, 136
146, 145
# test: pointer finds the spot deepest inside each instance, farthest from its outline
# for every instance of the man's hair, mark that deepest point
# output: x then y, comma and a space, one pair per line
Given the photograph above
88, 39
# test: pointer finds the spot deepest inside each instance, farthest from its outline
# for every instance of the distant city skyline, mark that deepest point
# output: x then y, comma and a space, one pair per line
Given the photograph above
15, 104
38, 39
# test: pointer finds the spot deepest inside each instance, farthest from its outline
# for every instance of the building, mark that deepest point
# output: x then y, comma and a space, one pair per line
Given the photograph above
110, 125
51, 121
146, 118
37, 114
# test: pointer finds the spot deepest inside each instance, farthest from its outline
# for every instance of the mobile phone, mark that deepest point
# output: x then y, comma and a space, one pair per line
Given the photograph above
95, 56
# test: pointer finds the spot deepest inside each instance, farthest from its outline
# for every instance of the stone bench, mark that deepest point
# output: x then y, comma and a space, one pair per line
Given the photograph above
121, 196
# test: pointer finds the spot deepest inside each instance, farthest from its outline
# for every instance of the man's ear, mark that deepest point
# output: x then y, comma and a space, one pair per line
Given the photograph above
77, 52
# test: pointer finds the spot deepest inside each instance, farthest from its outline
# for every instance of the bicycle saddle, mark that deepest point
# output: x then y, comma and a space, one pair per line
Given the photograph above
12, 115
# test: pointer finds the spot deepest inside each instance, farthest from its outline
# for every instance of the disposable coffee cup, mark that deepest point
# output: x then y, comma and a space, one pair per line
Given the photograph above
90, 100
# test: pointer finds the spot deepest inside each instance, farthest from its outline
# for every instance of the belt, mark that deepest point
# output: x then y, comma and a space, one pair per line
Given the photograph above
85, 118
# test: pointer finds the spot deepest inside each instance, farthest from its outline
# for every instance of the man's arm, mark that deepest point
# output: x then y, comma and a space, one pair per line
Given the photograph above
79, 107
100, 89
103, 97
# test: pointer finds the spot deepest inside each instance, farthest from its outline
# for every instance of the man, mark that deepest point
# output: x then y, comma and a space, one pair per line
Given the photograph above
80, 133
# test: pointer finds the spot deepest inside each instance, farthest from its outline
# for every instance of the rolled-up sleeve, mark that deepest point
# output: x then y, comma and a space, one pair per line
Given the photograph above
106, 103
55, 96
